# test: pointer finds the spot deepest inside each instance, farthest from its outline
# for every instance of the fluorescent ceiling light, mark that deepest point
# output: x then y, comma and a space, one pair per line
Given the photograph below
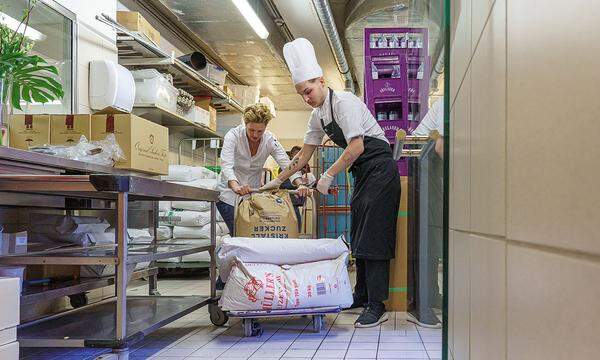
13, 24
248, 12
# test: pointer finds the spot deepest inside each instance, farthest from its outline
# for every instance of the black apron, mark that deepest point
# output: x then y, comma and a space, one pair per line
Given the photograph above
376, 196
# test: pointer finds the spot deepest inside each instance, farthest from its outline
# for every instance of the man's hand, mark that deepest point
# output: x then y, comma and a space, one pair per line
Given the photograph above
271, 185
324, 183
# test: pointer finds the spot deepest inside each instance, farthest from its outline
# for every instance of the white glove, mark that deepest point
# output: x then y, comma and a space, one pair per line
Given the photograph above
324, 183
271, 185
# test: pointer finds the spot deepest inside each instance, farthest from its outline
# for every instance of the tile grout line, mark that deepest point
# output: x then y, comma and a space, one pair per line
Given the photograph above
328, 331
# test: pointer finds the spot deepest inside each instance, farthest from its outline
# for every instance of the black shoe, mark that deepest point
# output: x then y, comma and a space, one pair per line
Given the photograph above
358, 303
372, 316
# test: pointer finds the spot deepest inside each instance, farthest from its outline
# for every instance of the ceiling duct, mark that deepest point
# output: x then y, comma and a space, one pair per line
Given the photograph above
328, 22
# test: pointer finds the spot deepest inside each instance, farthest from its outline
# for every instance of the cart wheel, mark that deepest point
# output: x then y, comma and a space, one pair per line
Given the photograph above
78, 300
217, 316
247, 326
317, 323
257, 329
154, 292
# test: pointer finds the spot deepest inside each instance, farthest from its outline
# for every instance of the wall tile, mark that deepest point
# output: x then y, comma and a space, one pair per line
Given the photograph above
462, 301
460, 207
553, 310
488, 127
552, 187
488, 298
461, 44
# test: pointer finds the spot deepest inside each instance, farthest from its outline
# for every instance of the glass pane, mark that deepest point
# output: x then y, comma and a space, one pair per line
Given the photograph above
52, 35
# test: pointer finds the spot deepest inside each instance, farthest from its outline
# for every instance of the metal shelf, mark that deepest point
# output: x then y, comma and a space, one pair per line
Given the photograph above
34, 294
162, 116
94, 325
136, 52
101, 255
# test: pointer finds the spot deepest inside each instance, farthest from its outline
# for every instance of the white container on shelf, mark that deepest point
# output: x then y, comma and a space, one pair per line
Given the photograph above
214, 73
10, 290
153, 88
199, 116
111, 86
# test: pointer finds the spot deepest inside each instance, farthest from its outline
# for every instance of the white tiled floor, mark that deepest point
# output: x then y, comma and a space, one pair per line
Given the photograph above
195, 338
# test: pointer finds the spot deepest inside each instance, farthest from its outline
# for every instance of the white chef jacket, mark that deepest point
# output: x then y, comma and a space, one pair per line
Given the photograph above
238, 164
351, 115
433, 120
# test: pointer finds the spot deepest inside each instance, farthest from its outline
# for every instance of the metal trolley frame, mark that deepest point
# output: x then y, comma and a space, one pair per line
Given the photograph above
120, 321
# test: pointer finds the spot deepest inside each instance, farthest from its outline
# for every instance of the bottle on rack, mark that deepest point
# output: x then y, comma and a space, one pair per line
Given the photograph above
382, 116
394, 43
382, 41
403, 41
373, 41
419, 44
393, 115
396, 72
374, 72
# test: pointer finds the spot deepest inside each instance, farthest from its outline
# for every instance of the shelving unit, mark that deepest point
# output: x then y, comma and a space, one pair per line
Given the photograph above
136, 53
120, 321
167, 118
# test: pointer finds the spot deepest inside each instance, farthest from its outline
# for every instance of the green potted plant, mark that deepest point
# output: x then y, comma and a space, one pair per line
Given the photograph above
23, 76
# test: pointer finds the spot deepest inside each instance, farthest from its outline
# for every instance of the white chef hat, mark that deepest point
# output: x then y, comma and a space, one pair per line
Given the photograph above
301, 60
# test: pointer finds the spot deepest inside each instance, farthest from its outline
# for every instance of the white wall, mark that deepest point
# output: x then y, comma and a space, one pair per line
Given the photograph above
524, 249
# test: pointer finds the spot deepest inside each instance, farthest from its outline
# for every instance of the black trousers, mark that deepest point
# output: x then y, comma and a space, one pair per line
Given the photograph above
372, 280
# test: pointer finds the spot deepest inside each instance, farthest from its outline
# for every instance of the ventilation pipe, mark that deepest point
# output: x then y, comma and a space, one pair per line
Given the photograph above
326, 18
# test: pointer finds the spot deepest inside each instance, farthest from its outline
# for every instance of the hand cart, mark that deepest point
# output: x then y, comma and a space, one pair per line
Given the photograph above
250, 324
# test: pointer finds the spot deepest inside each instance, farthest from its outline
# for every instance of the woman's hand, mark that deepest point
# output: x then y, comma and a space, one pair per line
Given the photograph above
304, 191
239, 189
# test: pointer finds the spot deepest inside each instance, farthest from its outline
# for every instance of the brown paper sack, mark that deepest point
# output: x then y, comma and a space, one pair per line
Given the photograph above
266, 215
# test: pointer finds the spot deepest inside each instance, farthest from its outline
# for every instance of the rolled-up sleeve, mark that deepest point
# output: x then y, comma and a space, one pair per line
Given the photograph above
349, 118
228, 156
314, 133
281, 157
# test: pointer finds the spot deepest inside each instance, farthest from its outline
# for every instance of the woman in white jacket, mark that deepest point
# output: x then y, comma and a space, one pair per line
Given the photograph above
245, 151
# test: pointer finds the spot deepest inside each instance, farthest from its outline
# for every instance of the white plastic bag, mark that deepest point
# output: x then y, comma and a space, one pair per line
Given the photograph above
209, 184
61, 228
188, 232
255, 286
188, 173
276, 251
164, 206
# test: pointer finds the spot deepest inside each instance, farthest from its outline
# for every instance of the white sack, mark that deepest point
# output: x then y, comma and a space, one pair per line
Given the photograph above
187, 173
254, 286
164, 206
191, 205
164, 232
276, 251
61, 228
210, 184
187, 232
190, 218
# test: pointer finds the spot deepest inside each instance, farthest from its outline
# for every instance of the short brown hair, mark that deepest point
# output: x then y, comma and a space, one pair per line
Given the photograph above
257, 113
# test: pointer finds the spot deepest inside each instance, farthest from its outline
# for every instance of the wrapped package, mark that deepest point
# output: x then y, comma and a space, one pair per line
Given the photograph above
65, 229
276, 251
105, 152
186, 173
188, 232
259, 286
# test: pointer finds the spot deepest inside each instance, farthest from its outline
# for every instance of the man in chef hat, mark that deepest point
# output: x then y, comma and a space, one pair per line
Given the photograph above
345, 119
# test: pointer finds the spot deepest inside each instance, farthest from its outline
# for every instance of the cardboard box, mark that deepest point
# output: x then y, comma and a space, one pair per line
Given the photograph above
213, 118
203, 102
13, 243
10, 294
26, 131
68, 129
134, 21
145, 144
398, 266
228, 90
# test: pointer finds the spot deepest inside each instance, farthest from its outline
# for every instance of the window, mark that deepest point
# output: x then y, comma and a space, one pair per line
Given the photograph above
54, 33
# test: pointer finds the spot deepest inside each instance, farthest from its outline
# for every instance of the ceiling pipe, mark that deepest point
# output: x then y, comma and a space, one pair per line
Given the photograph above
326, 17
